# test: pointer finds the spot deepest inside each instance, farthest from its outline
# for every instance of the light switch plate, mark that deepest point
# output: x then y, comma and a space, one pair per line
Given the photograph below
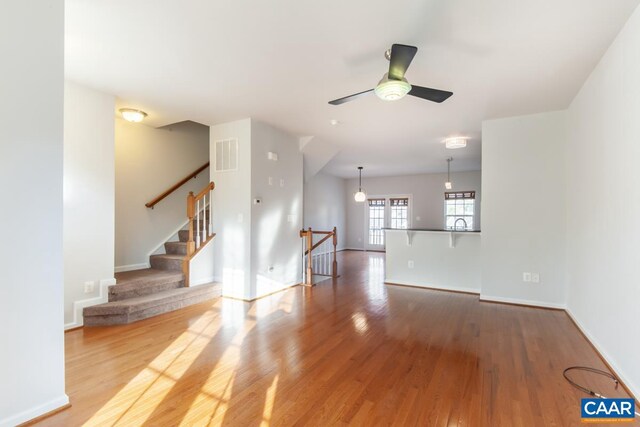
410, 264
535, 277
89, 287
526, 277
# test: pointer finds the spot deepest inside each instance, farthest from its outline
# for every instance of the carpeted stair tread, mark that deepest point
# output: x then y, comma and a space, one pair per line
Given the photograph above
132, 309
166, 261
177, 248
137, 283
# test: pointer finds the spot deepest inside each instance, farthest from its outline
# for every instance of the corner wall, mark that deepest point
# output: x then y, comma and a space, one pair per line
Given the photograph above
523, 209
277, 220
88, 197
31, 174
603, 205
325, 205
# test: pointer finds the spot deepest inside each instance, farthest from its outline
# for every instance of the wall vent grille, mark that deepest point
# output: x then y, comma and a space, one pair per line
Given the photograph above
226, 155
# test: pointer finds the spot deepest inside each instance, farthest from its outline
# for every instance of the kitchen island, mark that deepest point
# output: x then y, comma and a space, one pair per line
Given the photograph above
439, 259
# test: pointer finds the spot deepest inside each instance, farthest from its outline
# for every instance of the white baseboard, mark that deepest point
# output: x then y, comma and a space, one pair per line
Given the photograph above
130, 267
30, 414
103, 296
202, 281
635, 390
438, 288
487, 298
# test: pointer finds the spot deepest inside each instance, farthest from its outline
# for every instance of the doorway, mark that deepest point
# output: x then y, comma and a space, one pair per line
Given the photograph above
385, 212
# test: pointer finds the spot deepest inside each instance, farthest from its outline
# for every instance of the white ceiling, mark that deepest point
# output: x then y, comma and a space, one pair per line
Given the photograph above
281, 61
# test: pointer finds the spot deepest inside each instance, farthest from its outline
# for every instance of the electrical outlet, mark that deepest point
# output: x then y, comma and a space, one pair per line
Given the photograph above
88, 287
270, 180
535, 277
291, 218
526, 277
410, 263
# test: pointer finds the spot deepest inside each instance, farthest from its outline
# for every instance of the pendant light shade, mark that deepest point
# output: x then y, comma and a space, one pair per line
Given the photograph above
360, 195
448, 185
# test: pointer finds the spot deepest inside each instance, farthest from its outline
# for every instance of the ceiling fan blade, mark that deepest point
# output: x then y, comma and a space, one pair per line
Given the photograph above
350, 97
401, 57
429, 94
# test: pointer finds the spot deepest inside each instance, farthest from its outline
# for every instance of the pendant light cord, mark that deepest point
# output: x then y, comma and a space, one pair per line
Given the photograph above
594, 371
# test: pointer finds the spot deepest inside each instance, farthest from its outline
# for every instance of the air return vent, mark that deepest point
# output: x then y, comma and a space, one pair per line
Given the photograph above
226, 155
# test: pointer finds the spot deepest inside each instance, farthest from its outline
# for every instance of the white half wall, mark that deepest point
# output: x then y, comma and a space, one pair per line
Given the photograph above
31, 176
523, 209
277, 220
325, 205
89, 169
427, 197
603, 205
149, 161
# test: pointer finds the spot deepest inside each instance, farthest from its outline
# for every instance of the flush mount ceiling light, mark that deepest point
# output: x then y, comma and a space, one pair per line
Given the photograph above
360, 196
391, 89
133, 115
457, 142
448, 185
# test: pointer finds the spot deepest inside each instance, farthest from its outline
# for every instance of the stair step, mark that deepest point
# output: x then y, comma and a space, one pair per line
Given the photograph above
143, 307
166, 262
176, 248
137, 283
183, 235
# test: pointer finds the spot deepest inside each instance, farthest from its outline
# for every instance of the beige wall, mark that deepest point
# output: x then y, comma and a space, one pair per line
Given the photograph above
148, 161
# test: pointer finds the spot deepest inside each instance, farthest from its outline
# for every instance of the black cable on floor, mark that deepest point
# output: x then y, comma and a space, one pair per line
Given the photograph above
594, 371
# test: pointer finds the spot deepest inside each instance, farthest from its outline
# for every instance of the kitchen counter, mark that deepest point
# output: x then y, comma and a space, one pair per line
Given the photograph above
432, 258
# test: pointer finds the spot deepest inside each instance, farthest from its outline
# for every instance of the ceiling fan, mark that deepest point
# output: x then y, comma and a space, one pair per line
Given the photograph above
393, 85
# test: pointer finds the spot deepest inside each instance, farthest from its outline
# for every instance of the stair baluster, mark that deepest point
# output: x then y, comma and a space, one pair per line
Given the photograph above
319, 263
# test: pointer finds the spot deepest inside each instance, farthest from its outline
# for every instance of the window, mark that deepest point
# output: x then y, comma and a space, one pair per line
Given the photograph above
376, 221
399, 213
459, 205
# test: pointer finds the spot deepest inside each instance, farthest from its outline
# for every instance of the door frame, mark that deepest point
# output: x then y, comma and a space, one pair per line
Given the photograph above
387, 217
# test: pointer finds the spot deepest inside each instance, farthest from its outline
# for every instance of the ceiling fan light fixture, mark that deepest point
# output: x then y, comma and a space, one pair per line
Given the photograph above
133, 115
453, 143
392, 90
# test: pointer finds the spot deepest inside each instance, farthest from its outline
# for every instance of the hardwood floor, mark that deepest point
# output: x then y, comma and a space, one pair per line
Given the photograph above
352, 352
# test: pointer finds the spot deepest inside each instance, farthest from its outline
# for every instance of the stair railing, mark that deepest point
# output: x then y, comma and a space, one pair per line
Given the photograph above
200, 215
319, 258
175, 186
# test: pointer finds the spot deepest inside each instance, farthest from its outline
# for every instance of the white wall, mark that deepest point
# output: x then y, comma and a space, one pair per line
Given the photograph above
435, 263
232, 212
325, 205
277, 220
523, 208
31, 153
603, 205
427, 192
88, 195
148, 161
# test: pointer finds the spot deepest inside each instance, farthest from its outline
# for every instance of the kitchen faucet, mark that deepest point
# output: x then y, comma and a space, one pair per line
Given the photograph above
455, 224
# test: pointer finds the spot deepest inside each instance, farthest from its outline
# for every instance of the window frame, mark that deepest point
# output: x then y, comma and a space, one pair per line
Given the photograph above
456, 196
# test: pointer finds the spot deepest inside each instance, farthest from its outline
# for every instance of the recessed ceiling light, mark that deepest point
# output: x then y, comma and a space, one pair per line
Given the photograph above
133, 115
457, 142
333, 122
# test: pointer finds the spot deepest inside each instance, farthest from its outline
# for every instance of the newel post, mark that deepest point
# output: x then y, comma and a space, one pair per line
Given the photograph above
191, 244
334, 271
309, 257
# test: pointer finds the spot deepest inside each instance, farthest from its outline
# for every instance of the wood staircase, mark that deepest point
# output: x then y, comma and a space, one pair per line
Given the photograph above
164, 287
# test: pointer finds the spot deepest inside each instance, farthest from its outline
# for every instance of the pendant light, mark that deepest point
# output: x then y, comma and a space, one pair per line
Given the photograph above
360, 196
448, 184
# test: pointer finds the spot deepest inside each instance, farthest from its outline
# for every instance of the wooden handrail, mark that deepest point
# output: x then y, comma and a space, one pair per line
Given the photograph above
308, 255
177, 185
